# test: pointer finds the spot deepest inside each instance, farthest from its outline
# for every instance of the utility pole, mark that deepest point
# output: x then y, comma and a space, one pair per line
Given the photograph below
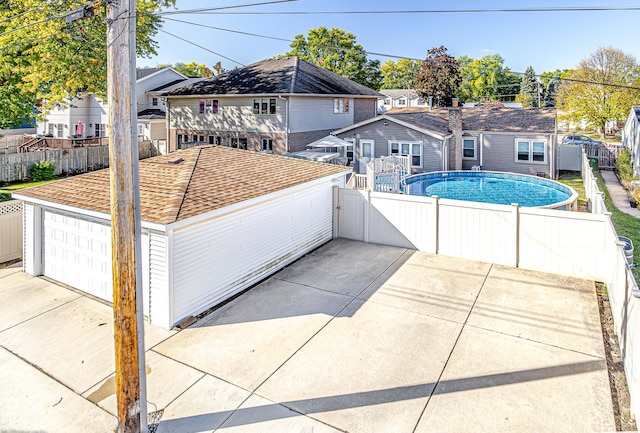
125, 216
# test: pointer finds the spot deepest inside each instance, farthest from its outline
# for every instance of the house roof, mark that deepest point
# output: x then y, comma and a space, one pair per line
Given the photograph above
209, 178
398, 93
285, 75
143, 72
152, 114
525, 120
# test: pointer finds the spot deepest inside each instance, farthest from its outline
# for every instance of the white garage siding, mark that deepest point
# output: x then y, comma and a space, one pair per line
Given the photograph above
220, 257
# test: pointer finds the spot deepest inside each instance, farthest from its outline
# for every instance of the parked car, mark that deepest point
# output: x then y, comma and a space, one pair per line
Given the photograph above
580, 139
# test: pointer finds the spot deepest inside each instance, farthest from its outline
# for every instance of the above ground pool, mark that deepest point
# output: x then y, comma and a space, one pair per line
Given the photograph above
492, 187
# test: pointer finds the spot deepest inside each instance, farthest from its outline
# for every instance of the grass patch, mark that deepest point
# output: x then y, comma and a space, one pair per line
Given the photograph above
5, 191
574, 180
626, 225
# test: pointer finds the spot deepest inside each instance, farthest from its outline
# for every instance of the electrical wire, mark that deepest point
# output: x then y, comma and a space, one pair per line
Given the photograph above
211, 9
200, 46
216, 11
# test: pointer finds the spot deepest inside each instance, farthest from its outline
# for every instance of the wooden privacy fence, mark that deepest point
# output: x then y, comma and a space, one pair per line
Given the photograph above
606, 154
10, 230
15, 166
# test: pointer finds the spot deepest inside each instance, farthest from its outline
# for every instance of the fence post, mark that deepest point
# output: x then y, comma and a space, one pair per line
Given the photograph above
336, 212
367, 216
516, 220
436, 226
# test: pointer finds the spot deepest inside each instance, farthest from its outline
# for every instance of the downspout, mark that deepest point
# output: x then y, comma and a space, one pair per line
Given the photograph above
481, 147
168, 126
445, 152
286, 122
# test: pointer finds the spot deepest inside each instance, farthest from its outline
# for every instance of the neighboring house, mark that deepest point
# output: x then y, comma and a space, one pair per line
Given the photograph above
210, 227
400, 98
275, 105
87, 115
518, 140
504, 104
631, 138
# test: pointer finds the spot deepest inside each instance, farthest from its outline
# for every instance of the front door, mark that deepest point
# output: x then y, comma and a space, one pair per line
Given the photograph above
366, 155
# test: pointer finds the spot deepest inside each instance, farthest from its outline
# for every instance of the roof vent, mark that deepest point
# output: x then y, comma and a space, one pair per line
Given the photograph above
176, 161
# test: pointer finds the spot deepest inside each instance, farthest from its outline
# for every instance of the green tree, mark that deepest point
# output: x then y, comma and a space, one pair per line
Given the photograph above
439, 77
599, 89
550, 81
529, 88
487, 78
192, 70
337, 50
400, 74
43, 58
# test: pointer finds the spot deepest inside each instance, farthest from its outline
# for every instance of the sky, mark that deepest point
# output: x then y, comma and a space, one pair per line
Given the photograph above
545, 40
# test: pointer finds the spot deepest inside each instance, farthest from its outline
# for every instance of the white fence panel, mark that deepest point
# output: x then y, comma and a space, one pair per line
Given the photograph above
403, 221
478, 231
10, 230
566, 243
352, 205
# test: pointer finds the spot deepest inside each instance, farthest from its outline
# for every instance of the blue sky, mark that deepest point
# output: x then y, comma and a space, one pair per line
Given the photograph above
544, 40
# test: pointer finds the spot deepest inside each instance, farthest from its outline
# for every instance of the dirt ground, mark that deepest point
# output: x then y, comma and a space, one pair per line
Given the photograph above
617, 379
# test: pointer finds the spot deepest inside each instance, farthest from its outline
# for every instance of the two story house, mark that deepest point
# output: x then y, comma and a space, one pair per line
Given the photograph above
276, 105
87, 115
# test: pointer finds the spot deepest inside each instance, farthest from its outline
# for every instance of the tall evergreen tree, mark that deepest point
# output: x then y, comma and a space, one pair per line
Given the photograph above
550, 93
529, 88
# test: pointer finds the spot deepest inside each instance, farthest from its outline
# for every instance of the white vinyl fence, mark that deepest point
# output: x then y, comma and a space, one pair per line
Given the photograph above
582, 245
10, 230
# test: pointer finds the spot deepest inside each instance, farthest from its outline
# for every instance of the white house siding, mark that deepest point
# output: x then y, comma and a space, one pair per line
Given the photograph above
631, 139
220, 257
158, 275
310, 114
31, 248
153, 81
88, 109
499, 153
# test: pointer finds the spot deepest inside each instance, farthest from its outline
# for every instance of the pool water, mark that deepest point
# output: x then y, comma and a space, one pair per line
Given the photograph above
489, 187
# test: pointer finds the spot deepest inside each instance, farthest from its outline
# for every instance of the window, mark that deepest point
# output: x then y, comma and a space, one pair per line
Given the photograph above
60, 130
469, 148
140, 129
387, 101
264, 106
267, 145
208, 106
198, 138
402, 102
50, 129
531, 151
349, 150
101, 129
154, 102
213, 139
238, 143
340, 105
412, 150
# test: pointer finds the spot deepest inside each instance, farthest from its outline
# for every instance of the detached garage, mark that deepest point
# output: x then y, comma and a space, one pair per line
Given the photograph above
215, 220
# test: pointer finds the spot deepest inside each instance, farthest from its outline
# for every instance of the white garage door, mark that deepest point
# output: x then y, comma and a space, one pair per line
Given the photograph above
77, 252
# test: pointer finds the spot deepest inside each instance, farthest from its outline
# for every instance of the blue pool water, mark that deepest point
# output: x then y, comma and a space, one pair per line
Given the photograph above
489, 187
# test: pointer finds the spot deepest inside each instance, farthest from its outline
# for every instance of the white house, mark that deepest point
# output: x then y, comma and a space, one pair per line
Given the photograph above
631, 138
86, 115
400, 98
211, 226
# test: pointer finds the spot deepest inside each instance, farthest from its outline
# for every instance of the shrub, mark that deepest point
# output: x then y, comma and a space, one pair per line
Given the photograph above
623, 164
635, 195
42, 170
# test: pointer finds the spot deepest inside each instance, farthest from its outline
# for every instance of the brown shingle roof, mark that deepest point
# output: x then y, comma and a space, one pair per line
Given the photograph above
533, 120
209, 178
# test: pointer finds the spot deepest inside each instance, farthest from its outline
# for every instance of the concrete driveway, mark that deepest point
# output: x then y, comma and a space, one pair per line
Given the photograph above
353, 337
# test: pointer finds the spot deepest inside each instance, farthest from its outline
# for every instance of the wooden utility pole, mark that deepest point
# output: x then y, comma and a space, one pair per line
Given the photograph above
125, 217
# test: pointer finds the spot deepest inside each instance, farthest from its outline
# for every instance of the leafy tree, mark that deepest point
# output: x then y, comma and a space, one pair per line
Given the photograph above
192, 69
550, 82
599, 89
529, 88
439, 77
43, 58
400, 74
337, 50
487, 78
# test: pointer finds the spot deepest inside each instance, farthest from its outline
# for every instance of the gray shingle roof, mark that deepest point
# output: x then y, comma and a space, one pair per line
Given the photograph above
285, 75
534, 120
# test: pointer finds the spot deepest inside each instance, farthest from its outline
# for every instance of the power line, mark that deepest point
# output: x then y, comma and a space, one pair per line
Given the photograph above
212, 9
20, 14
216, 11
200, 46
